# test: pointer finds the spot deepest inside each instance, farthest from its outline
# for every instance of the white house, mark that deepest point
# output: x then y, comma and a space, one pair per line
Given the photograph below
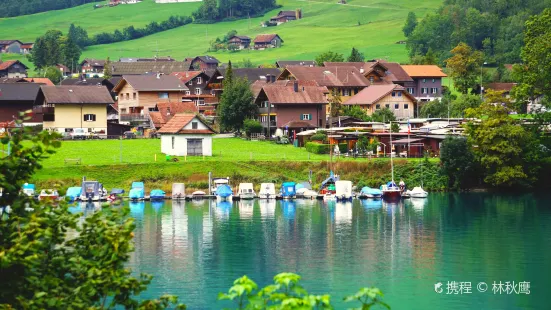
186, 135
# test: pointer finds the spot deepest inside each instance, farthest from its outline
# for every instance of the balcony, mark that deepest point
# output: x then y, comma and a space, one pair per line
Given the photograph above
272, 124
265, 110
137, 117
43, 110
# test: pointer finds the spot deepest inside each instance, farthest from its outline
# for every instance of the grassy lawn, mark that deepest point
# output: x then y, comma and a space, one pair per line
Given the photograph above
372, 26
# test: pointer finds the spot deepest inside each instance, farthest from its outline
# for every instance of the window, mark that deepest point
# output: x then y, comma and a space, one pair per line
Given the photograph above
188, 92
163, 95
127, 96
393, 94
199, 80
264, 104
151, 109
396, 106
123, 111
411, 90
378, 106
213, 92
173, 138
355, 91
89, 117
199, 102
435, 90
346, 92
399, 94
134, 96
387, 106
371, 79
424, 80
433, 80
194, 125
406, 106
424, 90
306, 117
198, 91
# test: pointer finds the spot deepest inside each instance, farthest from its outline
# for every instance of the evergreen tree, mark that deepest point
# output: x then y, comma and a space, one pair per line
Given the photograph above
329, 57
356, 56
38, 53
228, 77
107, 74
236, 104
411, 23
71, 52
79, 36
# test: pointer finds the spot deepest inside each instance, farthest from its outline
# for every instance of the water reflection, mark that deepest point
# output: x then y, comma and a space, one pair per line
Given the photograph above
157, 205
196, 249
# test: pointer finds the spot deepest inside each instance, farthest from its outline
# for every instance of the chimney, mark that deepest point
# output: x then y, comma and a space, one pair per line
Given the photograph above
295, 86
362, 70
268, 78
158, 75
273, 78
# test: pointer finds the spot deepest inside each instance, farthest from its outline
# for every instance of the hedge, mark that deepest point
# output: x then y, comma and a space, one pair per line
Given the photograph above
318, 148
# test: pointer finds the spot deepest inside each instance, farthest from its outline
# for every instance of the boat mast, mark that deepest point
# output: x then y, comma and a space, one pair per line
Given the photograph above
391, 153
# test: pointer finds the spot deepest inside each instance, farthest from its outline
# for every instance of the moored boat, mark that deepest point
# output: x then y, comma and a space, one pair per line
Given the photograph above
73, 193
368, 192
92, 191
267, 191
343, 190
391, 191
116, 194
198, 195
137, 191
328, 190
178, 191
29, 189
48, 194
418, 192
246, 191
157, 194
288, 190
221, 189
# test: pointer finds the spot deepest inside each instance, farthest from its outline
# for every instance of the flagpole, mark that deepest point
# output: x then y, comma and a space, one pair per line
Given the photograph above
409, 132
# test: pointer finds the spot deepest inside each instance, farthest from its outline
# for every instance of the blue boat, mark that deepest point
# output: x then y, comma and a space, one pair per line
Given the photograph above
29, 189
288, 190
224, 192
368, 192
137, 191
73, 193
157, 194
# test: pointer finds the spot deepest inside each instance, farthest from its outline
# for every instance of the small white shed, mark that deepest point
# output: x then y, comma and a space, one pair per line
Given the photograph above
186, 135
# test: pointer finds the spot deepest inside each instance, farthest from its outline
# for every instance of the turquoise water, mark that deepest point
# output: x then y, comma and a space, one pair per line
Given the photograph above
196, 249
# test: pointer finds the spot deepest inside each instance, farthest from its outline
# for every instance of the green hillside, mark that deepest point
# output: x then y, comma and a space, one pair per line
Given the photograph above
373, 26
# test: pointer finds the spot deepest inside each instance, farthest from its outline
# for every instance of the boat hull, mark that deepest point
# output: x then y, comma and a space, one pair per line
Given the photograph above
246, 196
392, 195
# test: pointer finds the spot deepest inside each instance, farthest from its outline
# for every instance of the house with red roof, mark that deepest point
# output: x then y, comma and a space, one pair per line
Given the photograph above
263, 41
186, 134
379, 96
13, 69
427, 81
166, 110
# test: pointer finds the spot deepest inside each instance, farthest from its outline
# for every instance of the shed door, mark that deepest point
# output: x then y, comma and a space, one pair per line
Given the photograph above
195, 147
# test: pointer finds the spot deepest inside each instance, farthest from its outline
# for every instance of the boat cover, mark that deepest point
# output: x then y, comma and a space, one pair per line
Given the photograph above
136, 193
117, 191
29, 186
371, 191
288, 189
331, 179
224, 191
157, 193
74, 192
137, 185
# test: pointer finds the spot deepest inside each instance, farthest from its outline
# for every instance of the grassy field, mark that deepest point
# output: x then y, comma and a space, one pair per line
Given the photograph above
241, 160
373, 26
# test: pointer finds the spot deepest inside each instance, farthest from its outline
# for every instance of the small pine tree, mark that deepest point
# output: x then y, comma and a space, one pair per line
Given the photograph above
107, 69
355, 56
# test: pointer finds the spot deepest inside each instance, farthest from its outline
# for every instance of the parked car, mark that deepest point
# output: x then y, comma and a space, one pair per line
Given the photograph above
78, 133
129, 135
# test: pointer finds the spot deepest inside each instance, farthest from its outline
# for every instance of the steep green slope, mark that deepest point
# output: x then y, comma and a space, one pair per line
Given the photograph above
373, 26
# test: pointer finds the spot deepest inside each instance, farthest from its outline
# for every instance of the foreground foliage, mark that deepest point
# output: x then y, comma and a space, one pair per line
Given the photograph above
50, 261
288, 293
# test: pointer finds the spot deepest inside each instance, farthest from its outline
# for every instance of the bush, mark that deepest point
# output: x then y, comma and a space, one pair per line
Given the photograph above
320, 136
318, 148
251, 126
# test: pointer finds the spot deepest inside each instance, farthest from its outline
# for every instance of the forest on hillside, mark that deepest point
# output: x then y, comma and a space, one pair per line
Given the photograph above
11, 8
494, 27
212, 10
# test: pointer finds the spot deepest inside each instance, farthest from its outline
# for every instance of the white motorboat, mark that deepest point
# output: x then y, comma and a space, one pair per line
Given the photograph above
48, 194
246, 191
178, 191
343, 190
418, 192
267, 191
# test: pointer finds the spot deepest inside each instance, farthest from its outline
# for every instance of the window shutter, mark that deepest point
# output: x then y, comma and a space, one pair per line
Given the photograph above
310, 117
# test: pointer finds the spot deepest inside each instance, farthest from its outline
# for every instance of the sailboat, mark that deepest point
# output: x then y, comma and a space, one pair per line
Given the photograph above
390, 190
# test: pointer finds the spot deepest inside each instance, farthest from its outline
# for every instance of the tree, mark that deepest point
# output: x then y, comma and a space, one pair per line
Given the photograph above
411, 23
38, 53
458, 161
236, 104
49, 259
47, 50
436, 109
246, 63
430, 58
329, 57
71, 52
335, 103
465, 66
207, 11
79, 36
535, 73
460, 105
355, 111
355, 56
383, 116
395, 127
107, 74
228, 77
508, 153
252, 126
53, 73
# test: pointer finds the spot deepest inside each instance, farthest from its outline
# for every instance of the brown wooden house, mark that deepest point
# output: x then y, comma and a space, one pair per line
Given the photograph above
263, 41
198, 91
201, 63
239, 42
13, 69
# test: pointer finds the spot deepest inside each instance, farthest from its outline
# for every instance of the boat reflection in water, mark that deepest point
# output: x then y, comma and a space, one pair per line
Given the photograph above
246, 208
157, 205
418, 204
223, 209
85, 207
289, 208
267, 208
392, 206
306, 202
343, 212
372, 204
137, 208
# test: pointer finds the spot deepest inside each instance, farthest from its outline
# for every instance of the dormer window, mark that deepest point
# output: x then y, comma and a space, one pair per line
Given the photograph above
199, 80
194, 125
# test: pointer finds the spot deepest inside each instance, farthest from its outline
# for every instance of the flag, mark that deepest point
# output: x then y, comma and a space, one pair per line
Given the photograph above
409, 127
339, 122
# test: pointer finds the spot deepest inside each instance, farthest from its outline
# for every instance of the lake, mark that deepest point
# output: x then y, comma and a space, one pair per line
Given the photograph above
196, 249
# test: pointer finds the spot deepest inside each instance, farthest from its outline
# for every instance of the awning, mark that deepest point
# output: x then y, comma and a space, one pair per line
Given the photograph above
406, 141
